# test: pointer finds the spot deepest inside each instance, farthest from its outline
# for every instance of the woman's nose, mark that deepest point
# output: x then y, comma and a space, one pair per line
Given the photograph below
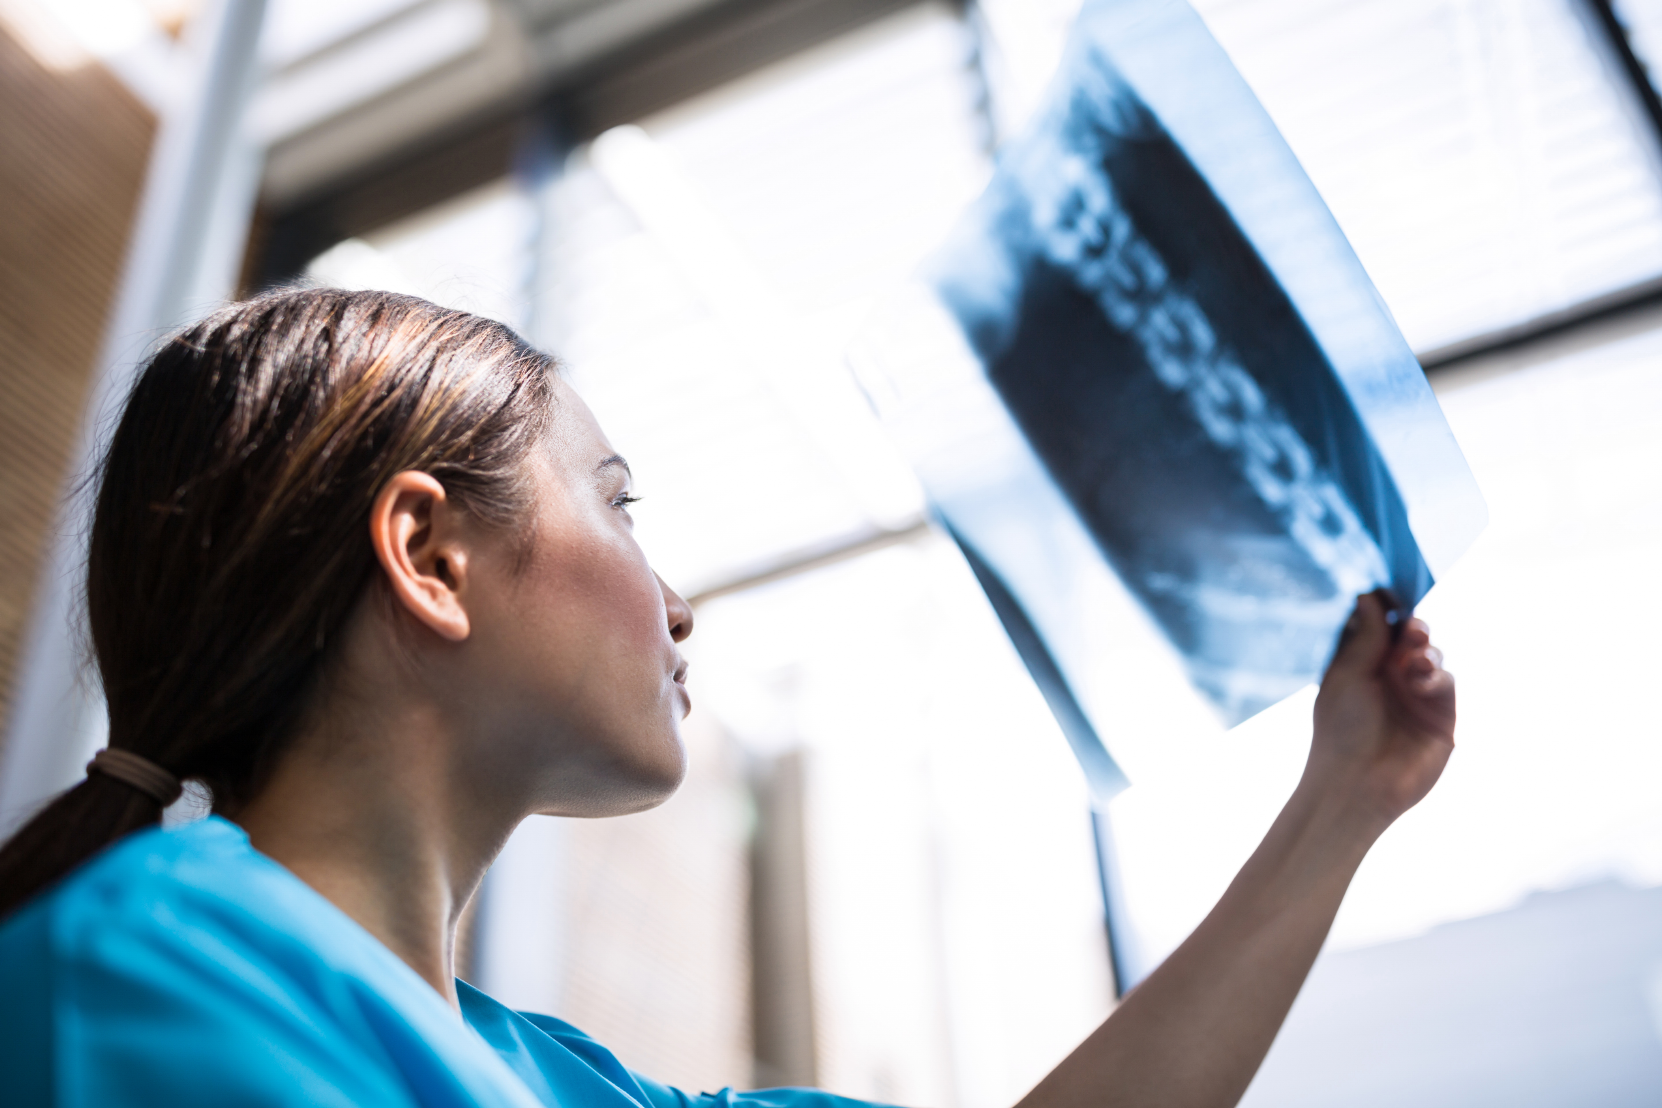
680, 612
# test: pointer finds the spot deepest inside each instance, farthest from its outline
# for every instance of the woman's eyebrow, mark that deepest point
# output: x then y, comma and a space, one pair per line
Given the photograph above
615, 460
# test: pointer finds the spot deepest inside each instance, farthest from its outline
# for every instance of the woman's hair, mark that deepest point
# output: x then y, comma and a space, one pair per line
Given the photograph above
230, 538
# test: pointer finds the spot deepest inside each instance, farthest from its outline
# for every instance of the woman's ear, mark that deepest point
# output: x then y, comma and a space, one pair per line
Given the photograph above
418, 537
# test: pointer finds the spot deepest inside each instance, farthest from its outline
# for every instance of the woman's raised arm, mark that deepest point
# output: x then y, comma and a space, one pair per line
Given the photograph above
1193, 1034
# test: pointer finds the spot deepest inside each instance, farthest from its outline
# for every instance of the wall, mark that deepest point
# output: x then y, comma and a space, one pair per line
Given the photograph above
76, 143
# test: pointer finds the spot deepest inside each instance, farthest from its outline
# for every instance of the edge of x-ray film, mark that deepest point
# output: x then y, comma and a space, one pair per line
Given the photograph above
1090, 638
985, 481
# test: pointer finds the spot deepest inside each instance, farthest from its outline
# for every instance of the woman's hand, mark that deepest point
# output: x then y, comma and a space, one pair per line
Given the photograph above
1384, 720
1193, 1033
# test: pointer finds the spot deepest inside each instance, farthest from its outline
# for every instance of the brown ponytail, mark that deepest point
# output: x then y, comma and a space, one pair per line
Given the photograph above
230, 536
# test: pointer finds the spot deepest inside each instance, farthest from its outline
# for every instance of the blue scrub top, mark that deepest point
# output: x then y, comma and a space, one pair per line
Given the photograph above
182, 967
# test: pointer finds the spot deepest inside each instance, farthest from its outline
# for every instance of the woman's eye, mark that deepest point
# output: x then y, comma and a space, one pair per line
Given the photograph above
625, 501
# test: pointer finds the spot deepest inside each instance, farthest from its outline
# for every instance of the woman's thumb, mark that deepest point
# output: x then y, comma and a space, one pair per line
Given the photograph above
1366, 637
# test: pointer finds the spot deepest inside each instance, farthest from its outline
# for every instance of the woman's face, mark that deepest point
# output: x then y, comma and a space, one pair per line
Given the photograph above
573, 640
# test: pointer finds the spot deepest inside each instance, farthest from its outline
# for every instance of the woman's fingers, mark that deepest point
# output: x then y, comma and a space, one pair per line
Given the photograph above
1420, 668
1415, 633
1423, 659
1423, 688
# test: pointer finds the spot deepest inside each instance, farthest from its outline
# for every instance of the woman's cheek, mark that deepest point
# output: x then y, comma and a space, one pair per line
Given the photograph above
639, 601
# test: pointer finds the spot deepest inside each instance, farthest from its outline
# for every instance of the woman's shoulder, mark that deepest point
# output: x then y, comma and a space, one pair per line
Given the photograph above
144, 889
141, 865
181, 966
147, 973
160, 899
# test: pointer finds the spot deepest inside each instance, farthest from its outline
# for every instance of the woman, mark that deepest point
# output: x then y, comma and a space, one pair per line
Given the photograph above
364, 568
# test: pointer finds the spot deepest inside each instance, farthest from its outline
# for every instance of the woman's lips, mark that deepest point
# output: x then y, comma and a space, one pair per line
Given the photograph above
681, 687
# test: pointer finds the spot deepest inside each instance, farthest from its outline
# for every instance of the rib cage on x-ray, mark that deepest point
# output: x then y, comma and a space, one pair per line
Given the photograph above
1154, 365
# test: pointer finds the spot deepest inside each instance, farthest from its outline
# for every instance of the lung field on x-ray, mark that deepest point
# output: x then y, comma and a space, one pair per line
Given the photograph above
1180, 402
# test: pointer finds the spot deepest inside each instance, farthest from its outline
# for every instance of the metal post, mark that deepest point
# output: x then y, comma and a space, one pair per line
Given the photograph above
1124, 956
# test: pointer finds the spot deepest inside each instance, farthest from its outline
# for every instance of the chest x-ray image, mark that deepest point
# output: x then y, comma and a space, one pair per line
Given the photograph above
1148, 362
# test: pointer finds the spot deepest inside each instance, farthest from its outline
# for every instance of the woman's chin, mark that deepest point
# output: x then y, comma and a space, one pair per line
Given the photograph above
649, 791
634, 781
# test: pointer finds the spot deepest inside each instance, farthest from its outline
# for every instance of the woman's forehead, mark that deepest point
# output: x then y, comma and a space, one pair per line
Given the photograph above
577, 429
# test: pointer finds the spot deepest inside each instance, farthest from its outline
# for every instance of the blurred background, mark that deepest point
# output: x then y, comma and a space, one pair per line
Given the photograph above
884, 876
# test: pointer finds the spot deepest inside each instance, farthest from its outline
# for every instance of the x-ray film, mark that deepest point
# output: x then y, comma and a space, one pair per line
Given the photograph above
1148, 361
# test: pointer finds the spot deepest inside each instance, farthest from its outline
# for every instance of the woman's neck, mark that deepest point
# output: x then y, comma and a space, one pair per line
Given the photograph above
375, 818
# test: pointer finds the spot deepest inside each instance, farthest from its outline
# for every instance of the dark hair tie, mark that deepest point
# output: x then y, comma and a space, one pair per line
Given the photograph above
139, 772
